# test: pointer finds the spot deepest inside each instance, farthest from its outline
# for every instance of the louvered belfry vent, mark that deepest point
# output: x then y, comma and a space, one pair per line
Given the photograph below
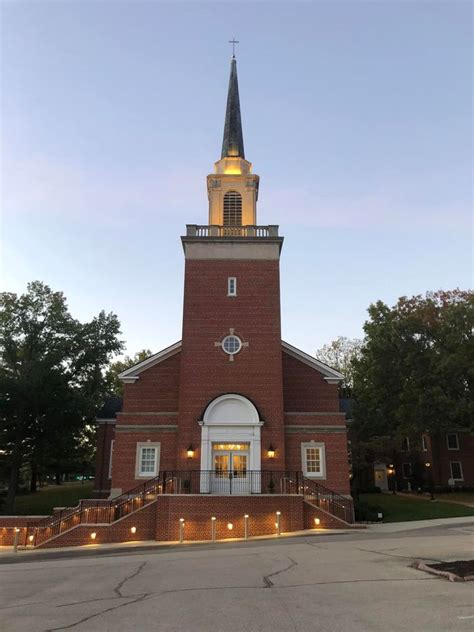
232, 209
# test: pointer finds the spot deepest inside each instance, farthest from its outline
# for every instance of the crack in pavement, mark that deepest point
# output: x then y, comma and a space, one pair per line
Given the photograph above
98, 614
209, 588
316, 546
118, 595
266, 578
405, 557
118, 588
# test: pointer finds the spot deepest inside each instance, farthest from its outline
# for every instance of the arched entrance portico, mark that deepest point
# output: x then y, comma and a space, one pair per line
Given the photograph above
230, 446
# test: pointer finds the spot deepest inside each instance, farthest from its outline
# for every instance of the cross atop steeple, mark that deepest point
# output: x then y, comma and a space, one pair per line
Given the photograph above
233, 41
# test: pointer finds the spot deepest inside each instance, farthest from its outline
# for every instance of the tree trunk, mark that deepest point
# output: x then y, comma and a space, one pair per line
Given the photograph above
33, 478
9, 506
58, 478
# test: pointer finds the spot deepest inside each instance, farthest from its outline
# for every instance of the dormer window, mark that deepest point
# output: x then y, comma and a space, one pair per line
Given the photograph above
232, 209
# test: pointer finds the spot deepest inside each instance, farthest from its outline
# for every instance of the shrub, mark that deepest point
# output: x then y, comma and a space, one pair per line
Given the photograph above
364, 512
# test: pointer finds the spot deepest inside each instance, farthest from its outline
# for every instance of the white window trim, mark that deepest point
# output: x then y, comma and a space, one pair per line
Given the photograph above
111, 455
424, 446
231, 280
138, 458
460, 467
457, 440
322, 448
234, 352
411, 470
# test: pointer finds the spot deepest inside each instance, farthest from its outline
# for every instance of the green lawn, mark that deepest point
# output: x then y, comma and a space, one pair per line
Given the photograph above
42, 503
458, 497
398, 509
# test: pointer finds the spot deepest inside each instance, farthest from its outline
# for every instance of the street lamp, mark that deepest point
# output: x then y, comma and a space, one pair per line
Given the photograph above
392, 472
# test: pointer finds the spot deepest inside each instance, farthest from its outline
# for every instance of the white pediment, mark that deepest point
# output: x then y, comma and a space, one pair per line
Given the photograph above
231, 409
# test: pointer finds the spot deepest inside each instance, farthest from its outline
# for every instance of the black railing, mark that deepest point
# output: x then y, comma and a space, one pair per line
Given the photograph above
324, 498
189, 482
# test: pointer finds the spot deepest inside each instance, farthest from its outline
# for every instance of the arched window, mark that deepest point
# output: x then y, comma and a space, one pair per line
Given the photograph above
232, 209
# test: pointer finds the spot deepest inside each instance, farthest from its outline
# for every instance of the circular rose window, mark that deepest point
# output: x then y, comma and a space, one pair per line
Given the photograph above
232, 344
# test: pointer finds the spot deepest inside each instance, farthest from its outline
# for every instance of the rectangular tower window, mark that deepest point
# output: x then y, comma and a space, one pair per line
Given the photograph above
231, 286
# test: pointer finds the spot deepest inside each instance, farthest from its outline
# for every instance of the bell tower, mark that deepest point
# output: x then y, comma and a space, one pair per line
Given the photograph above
231, 385
232, 189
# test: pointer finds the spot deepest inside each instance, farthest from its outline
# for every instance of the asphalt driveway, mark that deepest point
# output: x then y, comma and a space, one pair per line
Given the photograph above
354, 582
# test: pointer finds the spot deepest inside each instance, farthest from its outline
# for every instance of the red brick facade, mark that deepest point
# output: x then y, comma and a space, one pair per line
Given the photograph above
256, 371
160, 521
164, 402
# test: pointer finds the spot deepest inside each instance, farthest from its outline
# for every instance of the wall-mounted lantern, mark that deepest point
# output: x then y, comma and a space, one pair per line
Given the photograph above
190, 451
271, 452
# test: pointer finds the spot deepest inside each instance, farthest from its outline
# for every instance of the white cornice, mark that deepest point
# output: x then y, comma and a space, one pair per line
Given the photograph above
132, 374
330, 375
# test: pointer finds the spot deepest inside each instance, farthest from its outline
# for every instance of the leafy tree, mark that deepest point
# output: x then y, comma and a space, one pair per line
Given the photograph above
114, 385
51, 377
340, 355
415, 372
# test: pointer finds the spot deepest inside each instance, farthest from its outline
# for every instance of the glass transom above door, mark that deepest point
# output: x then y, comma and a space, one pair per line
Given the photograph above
231, 446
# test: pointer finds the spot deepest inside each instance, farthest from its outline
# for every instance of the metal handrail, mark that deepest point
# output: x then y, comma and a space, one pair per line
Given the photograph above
189, 482
327, 500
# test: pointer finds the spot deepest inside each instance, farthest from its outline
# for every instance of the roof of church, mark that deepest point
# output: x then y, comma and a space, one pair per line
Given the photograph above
330, 375
233, 141
111, 407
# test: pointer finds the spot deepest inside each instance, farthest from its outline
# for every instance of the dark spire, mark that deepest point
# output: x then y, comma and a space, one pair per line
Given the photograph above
233, 141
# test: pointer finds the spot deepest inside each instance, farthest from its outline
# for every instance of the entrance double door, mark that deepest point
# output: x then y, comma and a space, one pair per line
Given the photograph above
230, 473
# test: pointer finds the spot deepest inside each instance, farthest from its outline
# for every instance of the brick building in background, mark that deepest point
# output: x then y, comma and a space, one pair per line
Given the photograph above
230, 423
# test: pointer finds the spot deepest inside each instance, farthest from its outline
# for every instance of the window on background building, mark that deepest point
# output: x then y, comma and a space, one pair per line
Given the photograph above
111, 456
405, 444
452, 441
231, 286
407, 471
232, 209
424, 445
313, 460
147, 460
456, 471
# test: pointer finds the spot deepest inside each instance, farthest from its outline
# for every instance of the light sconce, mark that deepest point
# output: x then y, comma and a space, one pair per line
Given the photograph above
428, 464
317, 522
93, 535
31, 538
133, 530
190, 451
271, 452
230, 526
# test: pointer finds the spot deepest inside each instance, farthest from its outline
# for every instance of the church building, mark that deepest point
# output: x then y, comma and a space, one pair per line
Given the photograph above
231, 400
231, 428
